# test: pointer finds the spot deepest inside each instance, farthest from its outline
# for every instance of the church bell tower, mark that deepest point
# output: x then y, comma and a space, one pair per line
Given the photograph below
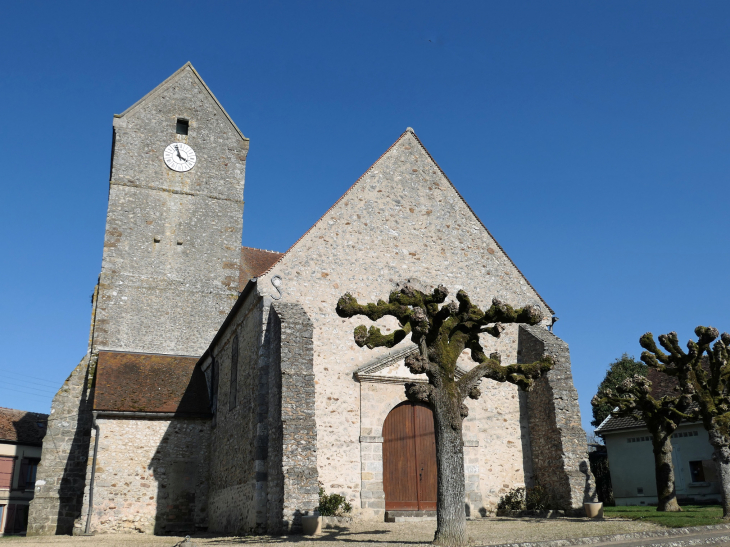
172, 246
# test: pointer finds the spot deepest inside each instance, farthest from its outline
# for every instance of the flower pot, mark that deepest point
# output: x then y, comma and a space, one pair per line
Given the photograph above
594, 510
311, 525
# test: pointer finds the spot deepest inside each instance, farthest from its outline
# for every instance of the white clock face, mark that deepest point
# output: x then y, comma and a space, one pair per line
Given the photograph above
179, 157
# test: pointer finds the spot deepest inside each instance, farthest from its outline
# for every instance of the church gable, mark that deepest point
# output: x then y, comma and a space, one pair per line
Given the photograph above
187, 73
182, 109
402, 219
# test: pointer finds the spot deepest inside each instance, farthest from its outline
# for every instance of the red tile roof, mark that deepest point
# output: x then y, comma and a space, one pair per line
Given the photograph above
254, 262
19, 426
142, 382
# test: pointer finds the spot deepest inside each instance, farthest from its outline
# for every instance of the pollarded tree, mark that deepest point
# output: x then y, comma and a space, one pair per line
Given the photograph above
623, 367
662, 416
441, 333
709, 387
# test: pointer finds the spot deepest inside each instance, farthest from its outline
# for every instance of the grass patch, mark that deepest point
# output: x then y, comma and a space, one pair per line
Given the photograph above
691, 515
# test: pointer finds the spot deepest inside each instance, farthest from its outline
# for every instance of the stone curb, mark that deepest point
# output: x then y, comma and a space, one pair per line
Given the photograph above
671, 533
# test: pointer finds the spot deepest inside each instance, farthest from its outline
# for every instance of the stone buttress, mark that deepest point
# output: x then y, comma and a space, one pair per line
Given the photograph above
557, 439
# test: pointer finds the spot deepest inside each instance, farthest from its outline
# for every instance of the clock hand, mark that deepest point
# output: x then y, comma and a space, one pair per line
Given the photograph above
178, 154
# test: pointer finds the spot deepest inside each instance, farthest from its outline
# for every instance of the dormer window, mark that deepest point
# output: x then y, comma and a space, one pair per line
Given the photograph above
182, 126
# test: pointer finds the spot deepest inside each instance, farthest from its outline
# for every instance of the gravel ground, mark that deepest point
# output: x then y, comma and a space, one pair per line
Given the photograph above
488, 531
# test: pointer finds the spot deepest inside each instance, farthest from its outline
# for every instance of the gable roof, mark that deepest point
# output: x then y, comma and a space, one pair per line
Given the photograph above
254, 262
22, 427
144, 382
409, 131
159, 88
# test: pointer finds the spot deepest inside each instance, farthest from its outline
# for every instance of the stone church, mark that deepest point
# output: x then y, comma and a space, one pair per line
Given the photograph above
220, 389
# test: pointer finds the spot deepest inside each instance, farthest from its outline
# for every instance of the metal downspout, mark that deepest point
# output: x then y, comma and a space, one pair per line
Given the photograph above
93, 474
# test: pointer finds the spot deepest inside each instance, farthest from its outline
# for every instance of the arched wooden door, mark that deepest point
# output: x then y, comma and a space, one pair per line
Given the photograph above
409, 459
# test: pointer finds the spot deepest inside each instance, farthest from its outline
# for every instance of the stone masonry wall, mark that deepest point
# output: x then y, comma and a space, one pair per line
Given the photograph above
151, 476
59, 486
558, 442
172, 245
496, 422
238, 439
170, 265
403, 219
293, 432
263, 452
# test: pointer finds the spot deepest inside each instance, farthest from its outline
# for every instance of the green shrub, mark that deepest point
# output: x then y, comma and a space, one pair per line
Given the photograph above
514, 500
332, 505
525, 499
536, 499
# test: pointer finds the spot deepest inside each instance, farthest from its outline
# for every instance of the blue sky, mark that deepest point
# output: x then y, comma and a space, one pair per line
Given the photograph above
591, 138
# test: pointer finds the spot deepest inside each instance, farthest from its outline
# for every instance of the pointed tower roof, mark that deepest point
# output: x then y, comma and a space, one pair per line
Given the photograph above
407, 132
157, 90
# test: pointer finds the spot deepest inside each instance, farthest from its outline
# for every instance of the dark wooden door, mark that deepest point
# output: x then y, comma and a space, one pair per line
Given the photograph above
409, 459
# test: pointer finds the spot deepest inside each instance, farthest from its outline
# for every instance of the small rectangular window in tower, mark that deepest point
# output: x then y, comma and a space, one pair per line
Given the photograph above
182, 126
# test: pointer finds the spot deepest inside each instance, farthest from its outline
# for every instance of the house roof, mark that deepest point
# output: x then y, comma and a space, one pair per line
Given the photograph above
22, 427
410, 131
143, 382
615, 423
159, 88
661, 386
254, 262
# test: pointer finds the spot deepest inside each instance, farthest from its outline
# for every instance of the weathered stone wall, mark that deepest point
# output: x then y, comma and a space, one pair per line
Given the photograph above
170, 265
292, 425
496, 421
238, 439
403, 219
172, 244
151, 476
263, 452
557, 439
59, 486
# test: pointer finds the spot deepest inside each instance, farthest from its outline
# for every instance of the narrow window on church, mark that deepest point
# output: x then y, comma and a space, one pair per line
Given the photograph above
234, 374
214, 388
182, 126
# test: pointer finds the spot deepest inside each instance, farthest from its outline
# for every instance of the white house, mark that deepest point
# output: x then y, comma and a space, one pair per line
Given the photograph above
631, 459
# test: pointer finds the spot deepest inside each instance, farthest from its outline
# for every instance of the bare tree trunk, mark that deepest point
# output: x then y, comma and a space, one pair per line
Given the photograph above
664, 470
722, 458
451, 513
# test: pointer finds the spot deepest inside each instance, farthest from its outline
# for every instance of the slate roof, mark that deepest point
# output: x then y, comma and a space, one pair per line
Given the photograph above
143, 382
254, 262
21, 427
615, 423
661, 385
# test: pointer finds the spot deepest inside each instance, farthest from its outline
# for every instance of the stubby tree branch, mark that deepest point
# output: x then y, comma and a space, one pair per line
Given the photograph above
707, 381
442, 331
662, 416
